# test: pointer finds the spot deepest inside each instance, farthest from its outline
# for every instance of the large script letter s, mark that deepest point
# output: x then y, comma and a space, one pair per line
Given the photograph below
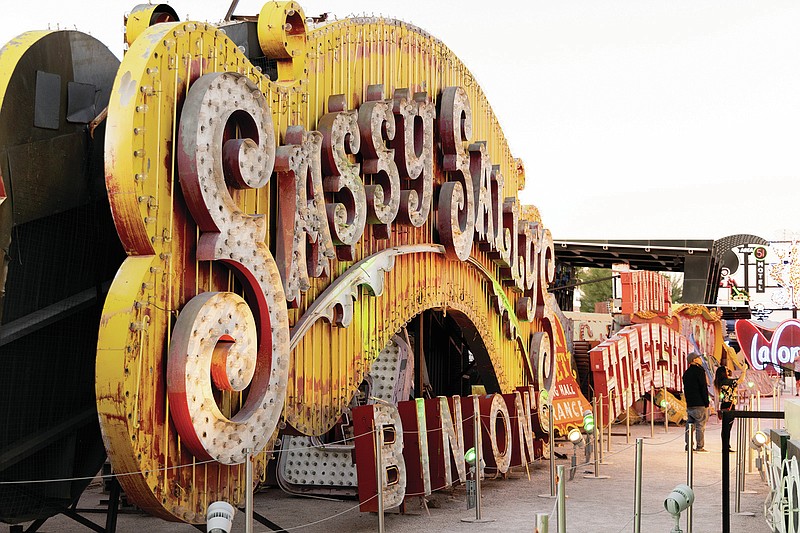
456, 212
413, 152
304, 246
344, 190
376, 124
221, 340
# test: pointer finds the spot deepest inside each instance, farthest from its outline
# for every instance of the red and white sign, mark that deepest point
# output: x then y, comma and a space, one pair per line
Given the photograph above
635, 361
768, 349
645, 291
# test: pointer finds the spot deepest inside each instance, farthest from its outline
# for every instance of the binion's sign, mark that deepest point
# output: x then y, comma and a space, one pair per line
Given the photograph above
644, 291
423, 442
767, 349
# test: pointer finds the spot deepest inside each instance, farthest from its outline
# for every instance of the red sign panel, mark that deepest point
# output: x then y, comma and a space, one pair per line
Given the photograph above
768, 349
645, 291
638, 359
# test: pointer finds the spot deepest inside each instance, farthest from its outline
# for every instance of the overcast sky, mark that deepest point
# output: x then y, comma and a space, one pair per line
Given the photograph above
635, 119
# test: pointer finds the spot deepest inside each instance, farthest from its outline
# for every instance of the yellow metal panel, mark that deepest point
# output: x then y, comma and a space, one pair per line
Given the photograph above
161, 274
10, 55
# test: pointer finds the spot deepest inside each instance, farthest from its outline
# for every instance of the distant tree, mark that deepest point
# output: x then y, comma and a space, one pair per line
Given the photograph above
677, 290
676, 282
595, 287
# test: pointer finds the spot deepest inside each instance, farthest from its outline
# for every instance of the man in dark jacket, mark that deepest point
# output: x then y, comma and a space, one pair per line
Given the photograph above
695, 390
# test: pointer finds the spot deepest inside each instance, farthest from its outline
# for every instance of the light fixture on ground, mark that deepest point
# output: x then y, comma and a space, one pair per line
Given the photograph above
757, 442
588, 427
469, 456
680, 499
472, 484
588, 421
219, 517
576, 438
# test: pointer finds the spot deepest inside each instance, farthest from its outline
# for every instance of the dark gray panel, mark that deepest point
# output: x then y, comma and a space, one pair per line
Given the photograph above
245, 34
47, 103
57, 166
81, 98
695, 278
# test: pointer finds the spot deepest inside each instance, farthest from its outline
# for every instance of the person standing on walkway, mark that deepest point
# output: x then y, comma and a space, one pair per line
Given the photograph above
796, 376
728, 396
695, 391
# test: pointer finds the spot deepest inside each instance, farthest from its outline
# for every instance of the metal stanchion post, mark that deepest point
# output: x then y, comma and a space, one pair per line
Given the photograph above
775, 404
610, 418
478, 464
664, 399
637, 496
562, 501
551, 435
652, 415
542, 520
689, 471
552, 432
738, 500
740, 479
758, 407
248, 495
749, 435
597, 439
598, 428
627, 422
379, 472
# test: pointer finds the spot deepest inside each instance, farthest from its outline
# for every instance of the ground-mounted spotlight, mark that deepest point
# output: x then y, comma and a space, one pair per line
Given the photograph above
576, 438
588, 421
758, 442
470, 456
681, 497
219, 517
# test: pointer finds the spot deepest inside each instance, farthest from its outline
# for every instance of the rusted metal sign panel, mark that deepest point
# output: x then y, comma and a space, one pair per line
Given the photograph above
279, 232
442, 431
651, 356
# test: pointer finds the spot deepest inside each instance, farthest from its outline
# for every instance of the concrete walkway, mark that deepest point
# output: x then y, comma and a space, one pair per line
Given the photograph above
597, 505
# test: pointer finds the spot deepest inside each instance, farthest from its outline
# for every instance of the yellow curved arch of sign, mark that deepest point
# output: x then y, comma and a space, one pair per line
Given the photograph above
406, 281
12, 52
